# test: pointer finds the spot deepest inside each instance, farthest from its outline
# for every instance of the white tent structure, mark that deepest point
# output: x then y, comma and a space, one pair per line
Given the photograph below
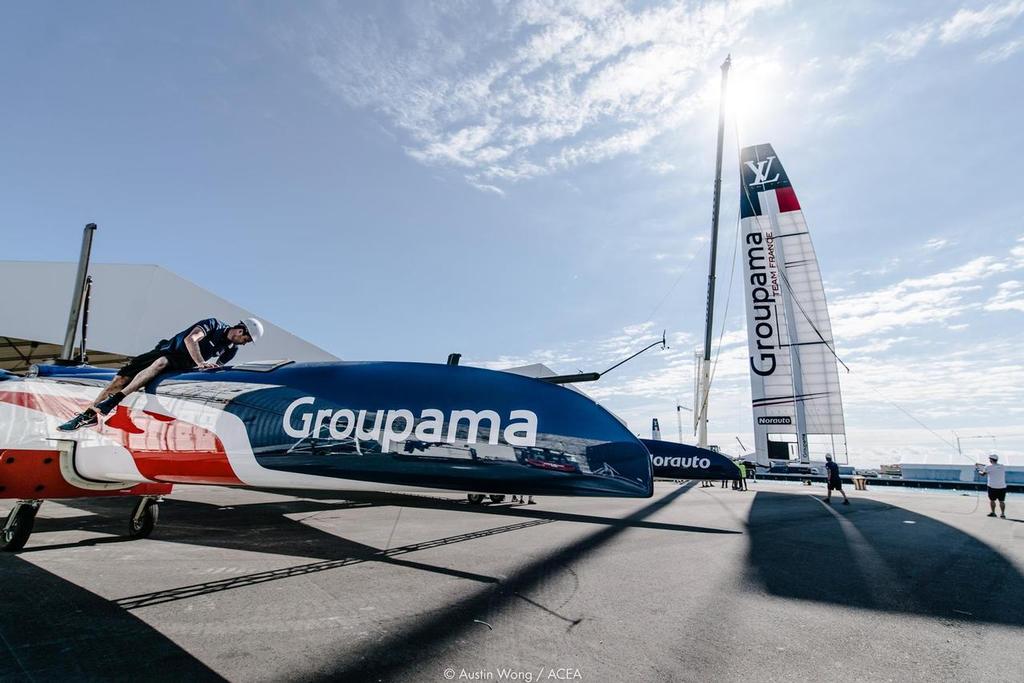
131, 308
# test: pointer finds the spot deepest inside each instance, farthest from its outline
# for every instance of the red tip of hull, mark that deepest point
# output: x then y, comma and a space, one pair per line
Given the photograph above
35, 475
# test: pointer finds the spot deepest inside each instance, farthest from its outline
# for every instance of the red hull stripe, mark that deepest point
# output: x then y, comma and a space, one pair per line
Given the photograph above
36, 474
787, 199
175, 452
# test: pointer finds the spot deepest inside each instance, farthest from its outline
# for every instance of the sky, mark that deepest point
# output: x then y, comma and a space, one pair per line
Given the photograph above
532, 182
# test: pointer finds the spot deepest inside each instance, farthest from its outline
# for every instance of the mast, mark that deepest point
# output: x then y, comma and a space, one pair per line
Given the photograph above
705, 362
800, 410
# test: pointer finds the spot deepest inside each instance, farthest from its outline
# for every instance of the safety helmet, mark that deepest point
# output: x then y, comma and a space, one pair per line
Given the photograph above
253, 327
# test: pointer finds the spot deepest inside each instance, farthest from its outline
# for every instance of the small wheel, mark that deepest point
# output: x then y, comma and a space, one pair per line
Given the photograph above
475, 498
497, 499
141, 523
19, 527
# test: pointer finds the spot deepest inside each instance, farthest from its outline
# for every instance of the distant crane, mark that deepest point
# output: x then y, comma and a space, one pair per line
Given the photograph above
679, 417
960, 451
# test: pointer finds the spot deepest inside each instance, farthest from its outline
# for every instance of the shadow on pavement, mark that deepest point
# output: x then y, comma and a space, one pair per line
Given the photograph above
51, 629
512, 510
876, 556
444, 630
265, 528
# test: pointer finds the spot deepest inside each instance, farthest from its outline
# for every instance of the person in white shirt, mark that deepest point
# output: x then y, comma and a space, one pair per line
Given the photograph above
996, 474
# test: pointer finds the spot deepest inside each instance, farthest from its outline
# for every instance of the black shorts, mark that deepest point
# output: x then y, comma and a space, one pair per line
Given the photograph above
997, 494
176, 362
835, 484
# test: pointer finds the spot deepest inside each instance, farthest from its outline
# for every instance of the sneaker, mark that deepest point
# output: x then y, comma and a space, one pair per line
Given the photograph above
991, 514
87, 419
1003, 515
846, 502
109, 403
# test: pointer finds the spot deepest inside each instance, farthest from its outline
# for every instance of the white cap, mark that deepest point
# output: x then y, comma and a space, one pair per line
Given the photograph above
254, 327
994, 457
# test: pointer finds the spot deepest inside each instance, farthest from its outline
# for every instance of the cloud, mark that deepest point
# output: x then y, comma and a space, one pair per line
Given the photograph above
937, 298
512, 91
1017, 253
969, 24
909, 42
905, 44
895, 46
506, 92
1002, 52
972, 271
1009, 297
936, 243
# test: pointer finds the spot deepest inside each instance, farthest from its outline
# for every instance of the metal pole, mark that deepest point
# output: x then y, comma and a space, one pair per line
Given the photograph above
702, 435
83, 354
76, 297
679, 419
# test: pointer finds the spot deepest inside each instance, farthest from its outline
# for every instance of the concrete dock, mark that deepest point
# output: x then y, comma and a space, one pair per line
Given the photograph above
695, 584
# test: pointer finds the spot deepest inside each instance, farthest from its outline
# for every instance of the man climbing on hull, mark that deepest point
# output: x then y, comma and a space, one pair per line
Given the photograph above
192, 348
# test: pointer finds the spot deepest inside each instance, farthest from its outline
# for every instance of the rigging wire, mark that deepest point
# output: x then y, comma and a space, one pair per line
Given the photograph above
650, 316
810, 322
725, 317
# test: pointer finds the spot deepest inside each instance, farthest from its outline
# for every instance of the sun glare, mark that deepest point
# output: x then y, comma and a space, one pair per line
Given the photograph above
755, 96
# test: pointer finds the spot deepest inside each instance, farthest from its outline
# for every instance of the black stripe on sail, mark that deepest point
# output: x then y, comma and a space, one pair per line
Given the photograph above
811, 343
757, 403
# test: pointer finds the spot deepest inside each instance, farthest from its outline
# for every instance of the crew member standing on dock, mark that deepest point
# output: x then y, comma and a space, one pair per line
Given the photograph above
835, 482
192, 348
996, 474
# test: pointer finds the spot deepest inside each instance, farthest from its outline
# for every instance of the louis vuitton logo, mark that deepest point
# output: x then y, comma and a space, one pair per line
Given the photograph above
761, 171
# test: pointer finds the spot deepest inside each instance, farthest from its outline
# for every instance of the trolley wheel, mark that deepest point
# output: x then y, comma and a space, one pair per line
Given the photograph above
475, 498
143, 519
18, 527
497, 498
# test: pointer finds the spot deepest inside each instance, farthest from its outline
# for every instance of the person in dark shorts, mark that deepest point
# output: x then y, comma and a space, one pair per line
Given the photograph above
190, 349
996, 475
835, 483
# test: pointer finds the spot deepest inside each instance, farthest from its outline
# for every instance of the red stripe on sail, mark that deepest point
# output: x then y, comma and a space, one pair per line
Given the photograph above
787, 199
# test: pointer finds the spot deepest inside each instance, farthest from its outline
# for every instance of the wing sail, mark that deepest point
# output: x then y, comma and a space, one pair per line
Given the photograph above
797, 406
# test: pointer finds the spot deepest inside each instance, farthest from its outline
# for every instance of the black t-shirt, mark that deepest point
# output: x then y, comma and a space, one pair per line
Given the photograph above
215, 343
833, 470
